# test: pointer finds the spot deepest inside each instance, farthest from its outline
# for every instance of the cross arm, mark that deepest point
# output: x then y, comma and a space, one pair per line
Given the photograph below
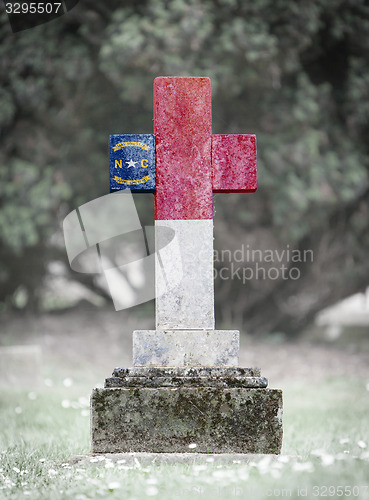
233, 160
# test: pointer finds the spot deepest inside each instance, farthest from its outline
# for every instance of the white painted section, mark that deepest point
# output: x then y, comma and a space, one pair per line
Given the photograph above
184, 275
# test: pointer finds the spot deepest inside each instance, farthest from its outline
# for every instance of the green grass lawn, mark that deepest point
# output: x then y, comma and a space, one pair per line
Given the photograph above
325, 451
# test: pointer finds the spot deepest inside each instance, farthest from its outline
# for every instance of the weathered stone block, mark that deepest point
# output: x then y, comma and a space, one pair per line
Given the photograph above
139, 376
163, 379
187, 371
185, 348
168, 420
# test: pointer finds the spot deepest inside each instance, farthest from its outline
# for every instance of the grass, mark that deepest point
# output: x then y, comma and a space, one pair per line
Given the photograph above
325, 451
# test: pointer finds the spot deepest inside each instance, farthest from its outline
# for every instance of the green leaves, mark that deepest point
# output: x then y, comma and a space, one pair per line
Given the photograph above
296, 74
30, 198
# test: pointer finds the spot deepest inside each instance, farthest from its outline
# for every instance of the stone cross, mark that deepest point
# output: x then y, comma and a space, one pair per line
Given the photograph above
191, 165
186, 391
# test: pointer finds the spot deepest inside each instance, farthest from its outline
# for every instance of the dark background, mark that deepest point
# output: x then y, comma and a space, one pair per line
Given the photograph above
294, 73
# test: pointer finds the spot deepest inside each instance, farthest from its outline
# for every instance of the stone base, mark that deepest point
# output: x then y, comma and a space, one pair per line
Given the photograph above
185, 347
218, 417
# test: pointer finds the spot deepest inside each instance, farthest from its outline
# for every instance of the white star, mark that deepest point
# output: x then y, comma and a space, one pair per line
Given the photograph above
131, 163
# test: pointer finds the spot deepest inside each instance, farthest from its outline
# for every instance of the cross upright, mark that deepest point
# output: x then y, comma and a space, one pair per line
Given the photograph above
191, 165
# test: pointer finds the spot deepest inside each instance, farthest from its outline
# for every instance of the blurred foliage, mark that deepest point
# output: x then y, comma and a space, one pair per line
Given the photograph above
294, 73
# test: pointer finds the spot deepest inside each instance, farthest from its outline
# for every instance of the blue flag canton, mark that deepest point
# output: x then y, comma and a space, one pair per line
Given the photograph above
132, 162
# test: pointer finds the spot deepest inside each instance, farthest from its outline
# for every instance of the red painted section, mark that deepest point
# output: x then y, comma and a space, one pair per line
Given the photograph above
234, 163
182, 127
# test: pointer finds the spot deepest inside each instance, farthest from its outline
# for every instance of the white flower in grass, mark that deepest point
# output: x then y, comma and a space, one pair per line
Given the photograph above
114, 485
341, 456
152, 491
243, 474
26, 492
109, 465
94, 459
327, 460
152, 480
303, 467
42, 460
192, 446
210, 459
277, 465
18, 410
344, 440
85, 413
275, 473
199, 467
32, 396
67, 382
264, 464
122, 461
8, 483
318, 453
367, 386
83, 401
52, 472
65, 403
219, 474
361, 444
15, 469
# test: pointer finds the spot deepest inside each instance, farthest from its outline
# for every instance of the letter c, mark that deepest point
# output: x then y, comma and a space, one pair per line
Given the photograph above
142, 163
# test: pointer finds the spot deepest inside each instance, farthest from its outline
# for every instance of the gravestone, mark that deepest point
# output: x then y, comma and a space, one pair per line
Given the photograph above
185, 387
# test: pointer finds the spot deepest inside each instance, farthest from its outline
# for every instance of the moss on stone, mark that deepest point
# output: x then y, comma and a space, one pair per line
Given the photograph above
218, 420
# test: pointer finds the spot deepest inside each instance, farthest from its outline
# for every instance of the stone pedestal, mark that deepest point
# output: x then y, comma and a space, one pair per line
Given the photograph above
186, 347
165, 410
